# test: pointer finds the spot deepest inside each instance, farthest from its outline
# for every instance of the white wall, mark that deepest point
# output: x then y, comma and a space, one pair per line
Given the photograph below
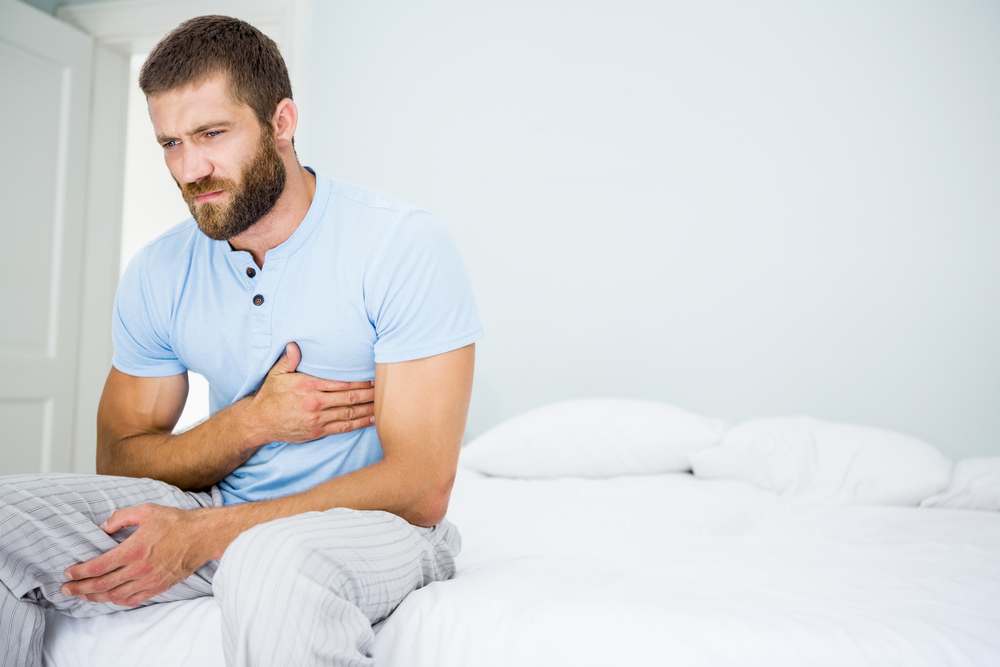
742, 208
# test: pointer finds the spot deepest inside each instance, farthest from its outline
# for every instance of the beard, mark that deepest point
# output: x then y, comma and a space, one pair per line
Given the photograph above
262, 180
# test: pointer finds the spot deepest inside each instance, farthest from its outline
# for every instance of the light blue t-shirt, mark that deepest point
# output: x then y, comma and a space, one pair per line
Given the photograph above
365, 279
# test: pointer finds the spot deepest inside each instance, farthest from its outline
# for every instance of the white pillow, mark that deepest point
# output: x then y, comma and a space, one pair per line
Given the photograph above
827, 463
599, 437
975, 485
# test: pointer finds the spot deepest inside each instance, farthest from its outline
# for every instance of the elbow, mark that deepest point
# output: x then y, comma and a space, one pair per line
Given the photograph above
110, 466
104, 463
431, 507
111, 458
426, 516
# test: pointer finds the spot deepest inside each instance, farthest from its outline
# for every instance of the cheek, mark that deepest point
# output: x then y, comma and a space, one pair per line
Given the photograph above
173, 162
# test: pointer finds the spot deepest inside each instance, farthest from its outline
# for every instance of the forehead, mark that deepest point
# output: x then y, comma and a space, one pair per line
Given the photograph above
184, 109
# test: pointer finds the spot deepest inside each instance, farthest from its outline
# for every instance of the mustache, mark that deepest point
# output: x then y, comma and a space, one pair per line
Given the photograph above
192, 190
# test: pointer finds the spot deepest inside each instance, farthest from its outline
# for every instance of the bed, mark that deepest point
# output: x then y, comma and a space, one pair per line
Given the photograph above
591, 542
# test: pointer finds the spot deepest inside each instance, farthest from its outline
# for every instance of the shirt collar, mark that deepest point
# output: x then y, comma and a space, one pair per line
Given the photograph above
301, 234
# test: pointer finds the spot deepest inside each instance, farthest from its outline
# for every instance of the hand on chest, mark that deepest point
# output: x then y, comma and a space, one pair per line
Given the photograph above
235, 331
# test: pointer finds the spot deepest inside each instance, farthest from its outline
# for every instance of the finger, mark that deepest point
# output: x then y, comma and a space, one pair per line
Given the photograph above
96, 567
333, 399
348, 426
348, 413
121, 595
287, 362
322, 384
128, 516
140, 597
99, 585
294, 356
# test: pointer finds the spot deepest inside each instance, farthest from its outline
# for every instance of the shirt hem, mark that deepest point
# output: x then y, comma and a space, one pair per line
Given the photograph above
430, 350
146, 372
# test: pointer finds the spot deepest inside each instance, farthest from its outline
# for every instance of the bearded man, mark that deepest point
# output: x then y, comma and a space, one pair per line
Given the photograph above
336, 327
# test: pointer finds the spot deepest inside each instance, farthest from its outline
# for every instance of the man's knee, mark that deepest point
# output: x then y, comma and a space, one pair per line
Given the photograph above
21, 493
15, 485
263, 555
324, 549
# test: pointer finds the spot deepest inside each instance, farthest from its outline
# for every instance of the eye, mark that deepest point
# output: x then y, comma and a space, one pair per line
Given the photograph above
170, 144
213, 133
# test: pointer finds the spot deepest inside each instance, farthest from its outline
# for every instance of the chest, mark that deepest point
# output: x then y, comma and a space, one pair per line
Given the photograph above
232, 325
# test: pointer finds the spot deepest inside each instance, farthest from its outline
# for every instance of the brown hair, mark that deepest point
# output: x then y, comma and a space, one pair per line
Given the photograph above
208, 45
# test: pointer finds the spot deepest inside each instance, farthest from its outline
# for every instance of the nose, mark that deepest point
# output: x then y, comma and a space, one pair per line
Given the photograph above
194, 164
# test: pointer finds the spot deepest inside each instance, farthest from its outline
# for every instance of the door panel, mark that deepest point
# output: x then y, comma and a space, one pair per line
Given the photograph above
45, 79
34, 146
24, 422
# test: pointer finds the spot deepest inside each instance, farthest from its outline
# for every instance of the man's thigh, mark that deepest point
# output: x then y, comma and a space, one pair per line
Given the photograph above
311, 585
373, 559
50, 522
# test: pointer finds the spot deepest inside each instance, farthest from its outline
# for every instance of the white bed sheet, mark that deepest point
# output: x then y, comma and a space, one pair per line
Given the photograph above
644, 570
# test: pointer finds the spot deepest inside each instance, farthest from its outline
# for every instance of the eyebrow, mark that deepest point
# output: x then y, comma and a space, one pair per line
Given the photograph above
163, 138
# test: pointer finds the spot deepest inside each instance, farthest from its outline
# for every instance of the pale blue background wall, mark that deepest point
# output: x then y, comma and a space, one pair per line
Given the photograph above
746, 209
742, 208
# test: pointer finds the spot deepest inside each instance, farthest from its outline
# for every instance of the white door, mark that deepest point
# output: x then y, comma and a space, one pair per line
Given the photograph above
45, 87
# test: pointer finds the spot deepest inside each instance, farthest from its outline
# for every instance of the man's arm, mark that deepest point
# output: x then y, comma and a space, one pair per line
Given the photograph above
137, 415
420, 412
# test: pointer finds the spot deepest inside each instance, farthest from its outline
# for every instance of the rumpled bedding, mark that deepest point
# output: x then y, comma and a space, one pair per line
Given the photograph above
795, 542
643, 569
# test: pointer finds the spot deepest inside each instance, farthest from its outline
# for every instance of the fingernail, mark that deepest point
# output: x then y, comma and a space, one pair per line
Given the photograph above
64, 591
103, 526
371, 420
68, 576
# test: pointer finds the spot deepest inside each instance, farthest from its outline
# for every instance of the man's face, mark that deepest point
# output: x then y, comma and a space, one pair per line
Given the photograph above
226, 165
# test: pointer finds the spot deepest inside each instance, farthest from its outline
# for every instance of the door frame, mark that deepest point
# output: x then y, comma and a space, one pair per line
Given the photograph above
121, 29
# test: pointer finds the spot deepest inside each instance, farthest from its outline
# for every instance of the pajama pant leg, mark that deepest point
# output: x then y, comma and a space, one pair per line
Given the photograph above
50, 522
304, 591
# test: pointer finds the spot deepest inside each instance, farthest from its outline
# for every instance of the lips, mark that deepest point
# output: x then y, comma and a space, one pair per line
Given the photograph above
209, 196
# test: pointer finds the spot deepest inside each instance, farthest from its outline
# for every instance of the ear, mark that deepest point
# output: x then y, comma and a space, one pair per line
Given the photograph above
284, 122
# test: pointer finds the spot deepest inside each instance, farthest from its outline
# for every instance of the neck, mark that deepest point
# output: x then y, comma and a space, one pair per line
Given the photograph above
281, 221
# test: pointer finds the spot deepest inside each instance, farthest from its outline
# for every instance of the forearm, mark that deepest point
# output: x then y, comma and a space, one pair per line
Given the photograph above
136, 418
391, 486
421, 435
195, 459
169, 544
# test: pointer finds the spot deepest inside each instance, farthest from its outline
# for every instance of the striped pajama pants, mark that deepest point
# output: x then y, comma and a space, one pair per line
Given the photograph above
297, 591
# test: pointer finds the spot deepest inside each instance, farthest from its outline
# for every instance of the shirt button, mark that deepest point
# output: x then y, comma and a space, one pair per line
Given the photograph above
251, 272
257, 300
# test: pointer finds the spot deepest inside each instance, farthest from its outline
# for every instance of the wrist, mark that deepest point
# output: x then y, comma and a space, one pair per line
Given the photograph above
216, 530
245, 423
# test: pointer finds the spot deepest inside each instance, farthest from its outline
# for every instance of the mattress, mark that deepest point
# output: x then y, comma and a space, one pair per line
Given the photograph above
645, 569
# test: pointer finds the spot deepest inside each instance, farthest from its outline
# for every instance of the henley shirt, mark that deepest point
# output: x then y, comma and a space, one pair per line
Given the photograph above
365, 279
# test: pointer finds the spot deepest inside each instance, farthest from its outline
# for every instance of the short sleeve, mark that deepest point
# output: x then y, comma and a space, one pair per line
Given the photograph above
421, 302
139, 333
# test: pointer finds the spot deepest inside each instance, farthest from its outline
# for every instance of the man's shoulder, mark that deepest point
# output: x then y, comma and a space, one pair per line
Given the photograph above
180, 240
370, 222
168, 254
